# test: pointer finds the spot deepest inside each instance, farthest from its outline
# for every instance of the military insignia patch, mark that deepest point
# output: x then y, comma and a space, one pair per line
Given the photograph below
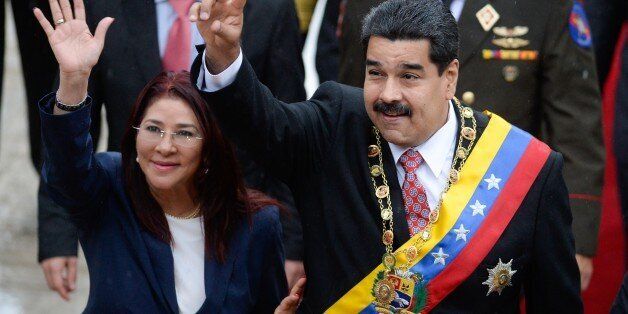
516, 31
487, 16
510, 73
510, 42
579, 26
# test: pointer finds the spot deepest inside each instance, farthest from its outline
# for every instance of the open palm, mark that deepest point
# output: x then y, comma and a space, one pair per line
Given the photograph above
220, 24
74, 47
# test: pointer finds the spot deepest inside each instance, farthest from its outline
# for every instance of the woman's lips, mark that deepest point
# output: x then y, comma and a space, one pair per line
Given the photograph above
164, 166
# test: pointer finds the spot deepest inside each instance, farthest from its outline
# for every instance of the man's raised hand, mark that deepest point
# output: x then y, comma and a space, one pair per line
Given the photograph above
220, 23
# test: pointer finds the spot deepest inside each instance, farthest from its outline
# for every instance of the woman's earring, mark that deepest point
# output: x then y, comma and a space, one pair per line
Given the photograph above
206, 171
137, 159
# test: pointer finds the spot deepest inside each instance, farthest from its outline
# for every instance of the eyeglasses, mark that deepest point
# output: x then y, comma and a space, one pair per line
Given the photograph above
153, 134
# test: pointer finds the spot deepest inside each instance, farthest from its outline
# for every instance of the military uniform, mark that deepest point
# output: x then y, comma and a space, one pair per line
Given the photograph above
532, 63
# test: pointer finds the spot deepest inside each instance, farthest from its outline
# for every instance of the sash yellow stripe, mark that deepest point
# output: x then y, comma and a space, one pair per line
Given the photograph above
454, 202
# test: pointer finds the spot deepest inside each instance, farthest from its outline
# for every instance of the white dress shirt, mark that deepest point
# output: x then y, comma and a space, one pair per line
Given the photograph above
188, 253
166, 15
437, 153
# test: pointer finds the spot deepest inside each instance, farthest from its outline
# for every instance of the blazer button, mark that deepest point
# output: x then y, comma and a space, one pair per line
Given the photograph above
468, 97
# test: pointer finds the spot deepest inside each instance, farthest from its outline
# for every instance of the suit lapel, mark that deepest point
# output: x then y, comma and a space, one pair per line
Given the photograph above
218, 275
142, 245
471, 33
141, 18
163, 266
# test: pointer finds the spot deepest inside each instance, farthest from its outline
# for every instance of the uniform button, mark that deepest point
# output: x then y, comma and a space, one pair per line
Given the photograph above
468, 97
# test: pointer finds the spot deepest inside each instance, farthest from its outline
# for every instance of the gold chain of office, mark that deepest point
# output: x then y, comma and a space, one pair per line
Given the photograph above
382, 191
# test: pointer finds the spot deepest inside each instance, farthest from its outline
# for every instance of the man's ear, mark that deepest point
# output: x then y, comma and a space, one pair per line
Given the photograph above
451, 78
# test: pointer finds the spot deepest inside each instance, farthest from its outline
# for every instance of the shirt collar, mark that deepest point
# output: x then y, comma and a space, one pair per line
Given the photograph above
438, 148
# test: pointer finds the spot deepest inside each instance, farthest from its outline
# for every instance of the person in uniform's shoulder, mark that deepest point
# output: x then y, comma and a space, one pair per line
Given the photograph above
410, 200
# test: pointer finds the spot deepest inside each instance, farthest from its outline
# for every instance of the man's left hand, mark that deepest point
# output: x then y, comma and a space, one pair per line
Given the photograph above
585, 265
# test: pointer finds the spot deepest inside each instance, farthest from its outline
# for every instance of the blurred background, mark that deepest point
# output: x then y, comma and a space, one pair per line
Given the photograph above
327, 40
23, 287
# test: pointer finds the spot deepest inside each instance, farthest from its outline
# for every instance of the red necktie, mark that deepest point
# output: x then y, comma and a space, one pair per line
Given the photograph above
177, 55
414, 197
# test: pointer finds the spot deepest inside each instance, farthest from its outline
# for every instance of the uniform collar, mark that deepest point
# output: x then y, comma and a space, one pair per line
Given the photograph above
438, 148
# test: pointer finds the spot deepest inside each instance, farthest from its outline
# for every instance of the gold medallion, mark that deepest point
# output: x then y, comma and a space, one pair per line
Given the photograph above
461, 153
389, 260
467, 112
487, 16
384, 292
386, 214
376, 171
434, 216
373, 151
454, 176
425, 235
468, 133
387, 237
411, 253
382, 191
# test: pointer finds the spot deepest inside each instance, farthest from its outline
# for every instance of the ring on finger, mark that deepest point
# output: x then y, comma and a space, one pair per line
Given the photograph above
59, 21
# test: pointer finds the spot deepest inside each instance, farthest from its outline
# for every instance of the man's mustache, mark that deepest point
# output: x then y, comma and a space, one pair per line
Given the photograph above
396, 109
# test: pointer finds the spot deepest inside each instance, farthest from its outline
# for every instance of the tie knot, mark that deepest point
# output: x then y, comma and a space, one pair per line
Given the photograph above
182, 7
410, 160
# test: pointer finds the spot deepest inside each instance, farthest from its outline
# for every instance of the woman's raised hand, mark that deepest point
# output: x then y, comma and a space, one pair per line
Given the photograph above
76, 50
220, 23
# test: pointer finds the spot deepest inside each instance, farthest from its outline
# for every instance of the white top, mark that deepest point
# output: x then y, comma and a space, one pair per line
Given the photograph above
166, 15
188, 252
437, 153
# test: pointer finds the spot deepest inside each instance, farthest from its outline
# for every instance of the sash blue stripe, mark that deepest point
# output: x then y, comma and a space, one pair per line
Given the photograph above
502, 166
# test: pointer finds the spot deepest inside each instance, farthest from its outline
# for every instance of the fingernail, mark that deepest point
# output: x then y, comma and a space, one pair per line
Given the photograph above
193, 18
204, 16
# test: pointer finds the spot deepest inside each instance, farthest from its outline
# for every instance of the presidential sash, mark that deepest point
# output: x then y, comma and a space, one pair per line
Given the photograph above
475, 211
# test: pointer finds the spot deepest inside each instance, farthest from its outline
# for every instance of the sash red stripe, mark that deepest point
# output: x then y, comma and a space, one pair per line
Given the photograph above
504, 208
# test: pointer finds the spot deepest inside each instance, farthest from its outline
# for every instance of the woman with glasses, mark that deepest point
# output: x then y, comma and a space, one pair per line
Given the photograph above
167, 225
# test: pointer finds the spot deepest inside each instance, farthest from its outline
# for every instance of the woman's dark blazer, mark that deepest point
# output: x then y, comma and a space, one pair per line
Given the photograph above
130, 270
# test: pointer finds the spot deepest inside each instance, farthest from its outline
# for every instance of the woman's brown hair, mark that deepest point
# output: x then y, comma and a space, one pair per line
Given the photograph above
224, 200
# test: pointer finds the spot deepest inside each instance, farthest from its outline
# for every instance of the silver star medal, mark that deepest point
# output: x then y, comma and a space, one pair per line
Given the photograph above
499, 277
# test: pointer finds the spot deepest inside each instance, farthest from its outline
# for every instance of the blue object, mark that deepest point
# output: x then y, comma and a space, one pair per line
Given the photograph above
579, 26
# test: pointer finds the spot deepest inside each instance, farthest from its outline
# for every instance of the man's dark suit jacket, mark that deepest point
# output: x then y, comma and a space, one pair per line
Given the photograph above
555, 97
131, 59
319, 147
131, 270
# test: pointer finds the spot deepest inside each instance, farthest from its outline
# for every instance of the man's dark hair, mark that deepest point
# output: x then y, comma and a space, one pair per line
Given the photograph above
414, 20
